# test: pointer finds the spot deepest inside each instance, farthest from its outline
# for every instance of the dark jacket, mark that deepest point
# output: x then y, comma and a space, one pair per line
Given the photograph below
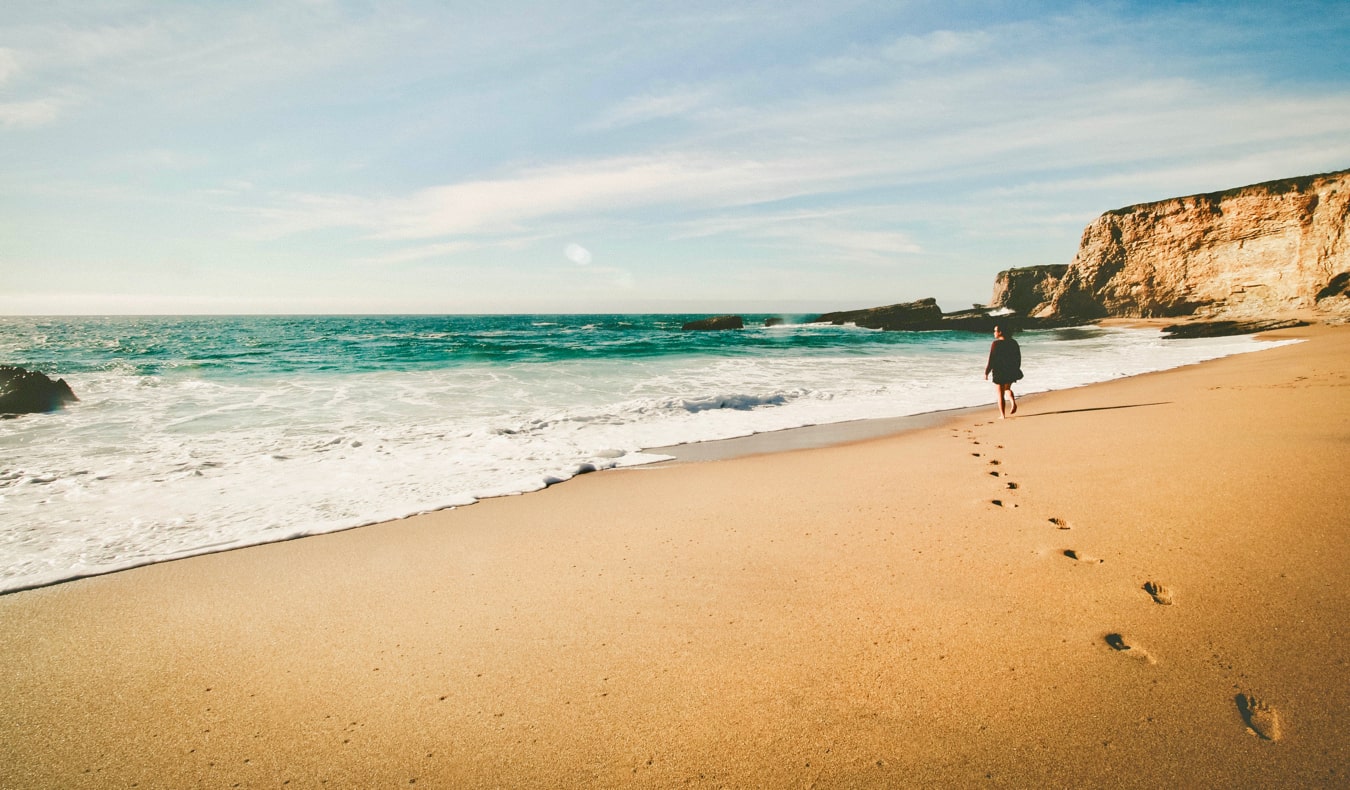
1005, 361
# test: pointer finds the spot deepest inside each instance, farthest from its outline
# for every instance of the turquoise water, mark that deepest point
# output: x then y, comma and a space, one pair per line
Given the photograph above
197, 434
282, 345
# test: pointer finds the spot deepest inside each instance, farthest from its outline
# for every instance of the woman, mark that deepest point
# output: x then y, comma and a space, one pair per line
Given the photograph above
1005, 362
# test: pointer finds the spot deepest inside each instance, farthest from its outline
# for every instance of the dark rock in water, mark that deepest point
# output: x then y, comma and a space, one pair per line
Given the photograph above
969, 321
773, 322
26, 392
907, 316
716, 322
925, 316
1225, 328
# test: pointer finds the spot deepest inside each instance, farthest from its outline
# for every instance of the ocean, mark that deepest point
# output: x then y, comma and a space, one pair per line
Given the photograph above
200, 434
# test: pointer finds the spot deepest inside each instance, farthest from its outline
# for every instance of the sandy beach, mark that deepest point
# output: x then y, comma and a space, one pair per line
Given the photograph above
1140, 583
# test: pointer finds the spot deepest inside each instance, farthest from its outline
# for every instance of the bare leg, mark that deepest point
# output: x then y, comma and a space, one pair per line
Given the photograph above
1002, 413
1012, 398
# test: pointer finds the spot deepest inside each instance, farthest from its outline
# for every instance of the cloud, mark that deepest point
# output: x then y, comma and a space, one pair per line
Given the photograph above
640, 109
857, 235
1182, 176
29, 114
832, 148
97, 45
508, 204
934, 47
421, 253
834, 137
9, 64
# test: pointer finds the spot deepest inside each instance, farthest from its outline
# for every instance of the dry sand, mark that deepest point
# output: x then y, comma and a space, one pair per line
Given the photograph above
861, 615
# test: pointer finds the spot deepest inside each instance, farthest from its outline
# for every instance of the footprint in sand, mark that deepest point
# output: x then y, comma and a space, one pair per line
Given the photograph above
1160, 594
993, 462
1059, 522
1012, 486
1261, 719
1080, 557
1118, 644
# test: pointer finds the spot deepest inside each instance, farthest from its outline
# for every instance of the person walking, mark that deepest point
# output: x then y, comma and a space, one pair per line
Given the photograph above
1005, 363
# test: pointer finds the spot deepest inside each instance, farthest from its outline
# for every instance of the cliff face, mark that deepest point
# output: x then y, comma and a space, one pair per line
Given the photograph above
1255, 252
1025, 290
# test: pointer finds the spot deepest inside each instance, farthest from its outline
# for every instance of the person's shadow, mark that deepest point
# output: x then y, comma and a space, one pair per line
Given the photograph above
1094, 408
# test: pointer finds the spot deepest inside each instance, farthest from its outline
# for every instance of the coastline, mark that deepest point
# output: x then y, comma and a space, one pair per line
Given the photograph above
857, 614
130, 491
805, 437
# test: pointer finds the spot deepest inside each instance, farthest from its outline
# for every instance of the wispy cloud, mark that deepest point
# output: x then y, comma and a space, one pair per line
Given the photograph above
640, 109
831, 148
859, 235
507, 204
933, 47
9, 65
29, 113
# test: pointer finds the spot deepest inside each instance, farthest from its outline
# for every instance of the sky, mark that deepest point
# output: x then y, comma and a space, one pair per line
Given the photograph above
485, 157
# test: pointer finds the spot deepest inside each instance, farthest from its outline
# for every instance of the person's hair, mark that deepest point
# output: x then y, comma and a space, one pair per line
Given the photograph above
1005, 329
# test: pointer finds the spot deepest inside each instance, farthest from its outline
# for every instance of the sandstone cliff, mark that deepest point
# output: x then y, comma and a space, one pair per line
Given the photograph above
1025, 290
1261, 251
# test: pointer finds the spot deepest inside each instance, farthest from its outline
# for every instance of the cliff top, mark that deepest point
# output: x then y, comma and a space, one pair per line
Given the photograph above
1277, 187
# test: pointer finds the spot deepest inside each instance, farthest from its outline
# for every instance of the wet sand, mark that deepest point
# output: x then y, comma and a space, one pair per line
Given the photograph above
1138, 583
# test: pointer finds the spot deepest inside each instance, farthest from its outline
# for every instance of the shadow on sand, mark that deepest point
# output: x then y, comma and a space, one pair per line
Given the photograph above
1095, 408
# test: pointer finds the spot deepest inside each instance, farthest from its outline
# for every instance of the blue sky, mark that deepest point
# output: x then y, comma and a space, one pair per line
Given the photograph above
387, 157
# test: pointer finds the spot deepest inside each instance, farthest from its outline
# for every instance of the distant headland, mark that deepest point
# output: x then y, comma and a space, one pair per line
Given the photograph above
1243, 259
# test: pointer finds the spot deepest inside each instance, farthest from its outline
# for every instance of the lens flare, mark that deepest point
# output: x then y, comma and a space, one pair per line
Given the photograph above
577, 254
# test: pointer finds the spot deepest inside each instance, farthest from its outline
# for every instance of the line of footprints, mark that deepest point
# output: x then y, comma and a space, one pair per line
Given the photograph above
1261, 719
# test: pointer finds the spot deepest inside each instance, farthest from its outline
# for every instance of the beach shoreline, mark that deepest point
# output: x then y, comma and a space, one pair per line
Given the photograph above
1134, 582
172, 460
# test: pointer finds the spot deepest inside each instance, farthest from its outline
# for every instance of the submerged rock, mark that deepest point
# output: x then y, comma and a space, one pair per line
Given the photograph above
26, 392
715, 323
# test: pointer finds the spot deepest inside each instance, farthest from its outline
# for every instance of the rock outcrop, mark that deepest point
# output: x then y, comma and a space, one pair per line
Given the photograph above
715, 323
1026, 289
1262, 251
28, 391
1227, 328
896, 317
926, 316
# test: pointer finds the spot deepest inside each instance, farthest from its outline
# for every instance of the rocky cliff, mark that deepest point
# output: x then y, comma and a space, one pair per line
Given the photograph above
1261, 251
